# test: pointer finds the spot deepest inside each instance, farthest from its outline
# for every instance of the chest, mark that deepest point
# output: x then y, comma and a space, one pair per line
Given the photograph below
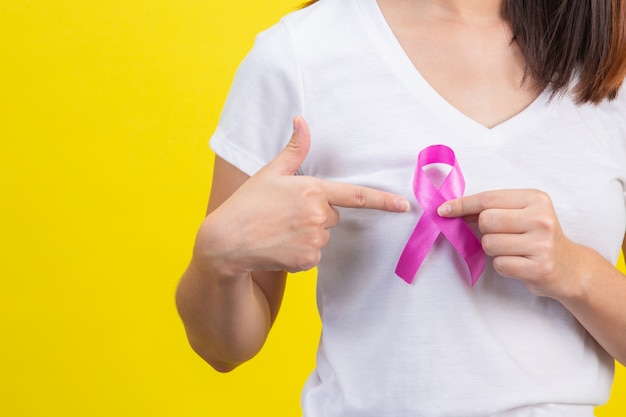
475, 67
552, 150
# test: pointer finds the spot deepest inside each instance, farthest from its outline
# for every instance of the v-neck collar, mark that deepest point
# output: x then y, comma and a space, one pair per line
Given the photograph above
397, 58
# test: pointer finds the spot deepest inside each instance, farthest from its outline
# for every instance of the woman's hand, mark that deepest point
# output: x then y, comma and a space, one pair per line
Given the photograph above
258, 227
522, 232
279, 221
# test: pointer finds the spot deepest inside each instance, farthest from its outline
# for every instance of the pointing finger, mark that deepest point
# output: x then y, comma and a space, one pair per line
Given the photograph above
353, 196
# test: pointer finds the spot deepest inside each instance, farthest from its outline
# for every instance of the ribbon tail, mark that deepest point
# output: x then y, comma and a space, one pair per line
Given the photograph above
467, 244
476, 264
416, 249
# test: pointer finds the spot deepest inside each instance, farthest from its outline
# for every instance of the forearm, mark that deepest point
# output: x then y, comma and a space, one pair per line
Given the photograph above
522, 232
227, 319
599, 303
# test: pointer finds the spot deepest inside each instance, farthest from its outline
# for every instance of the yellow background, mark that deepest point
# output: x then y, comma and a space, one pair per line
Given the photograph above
106, 110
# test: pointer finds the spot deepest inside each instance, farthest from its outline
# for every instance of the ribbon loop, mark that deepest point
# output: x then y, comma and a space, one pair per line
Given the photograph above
430, 224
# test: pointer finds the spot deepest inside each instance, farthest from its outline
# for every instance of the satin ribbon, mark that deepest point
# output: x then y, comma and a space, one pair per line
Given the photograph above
430, 224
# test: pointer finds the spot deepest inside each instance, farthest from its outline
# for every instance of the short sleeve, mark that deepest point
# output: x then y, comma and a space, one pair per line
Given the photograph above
611, 128
256, 121
620, 120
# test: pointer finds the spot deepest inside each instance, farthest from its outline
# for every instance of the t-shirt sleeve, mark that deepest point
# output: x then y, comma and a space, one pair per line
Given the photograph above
621, 121
612, 130
256, 121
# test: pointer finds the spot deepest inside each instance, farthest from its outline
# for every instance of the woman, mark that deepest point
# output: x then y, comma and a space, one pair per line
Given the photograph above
528, 96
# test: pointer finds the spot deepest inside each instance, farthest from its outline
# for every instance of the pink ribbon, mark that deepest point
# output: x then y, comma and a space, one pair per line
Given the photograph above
430, 224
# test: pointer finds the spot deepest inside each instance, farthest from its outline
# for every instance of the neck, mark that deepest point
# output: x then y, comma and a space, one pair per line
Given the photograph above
463, 10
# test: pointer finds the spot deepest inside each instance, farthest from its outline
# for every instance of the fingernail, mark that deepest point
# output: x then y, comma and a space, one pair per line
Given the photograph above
403, 205
296, 125
444, 210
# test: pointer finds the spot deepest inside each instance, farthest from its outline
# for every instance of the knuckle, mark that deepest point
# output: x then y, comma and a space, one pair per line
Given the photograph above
487, 200
293, 145
312, 189
387, 202
308, 260
317, 240
317, 216
544, 270
541, 197
485, 220
544, 248
546, 223
359, 197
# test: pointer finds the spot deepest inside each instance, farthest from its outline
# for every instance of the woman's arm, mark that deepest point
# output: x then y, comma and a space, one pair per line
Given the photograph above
257, 228
521, 231
227, 316
600, 303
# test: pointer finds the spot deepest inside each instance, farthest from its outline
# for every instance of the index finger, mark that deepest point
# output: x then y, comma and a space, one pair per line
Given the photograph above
354, 196
473, 205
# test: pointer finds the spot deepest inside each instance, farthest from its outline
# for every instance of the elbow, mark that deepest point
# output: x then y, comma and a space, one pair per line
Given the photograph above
217, 362
221, 367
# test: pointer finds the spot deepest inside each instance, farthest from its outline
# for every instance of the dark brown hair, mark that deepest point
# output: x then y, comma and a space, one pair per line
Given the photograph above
572, 39
566, 40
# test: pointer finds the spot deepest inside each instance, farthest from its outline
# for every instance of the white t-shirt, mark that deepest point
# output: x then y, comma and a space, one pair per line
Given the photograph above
436, 347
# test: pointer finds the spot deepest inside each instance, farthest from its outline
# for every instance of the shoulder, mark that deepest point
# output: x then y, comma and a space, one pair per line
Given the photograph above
297, 31
315, 42
609, 113
322, 12
607, 123
314, 28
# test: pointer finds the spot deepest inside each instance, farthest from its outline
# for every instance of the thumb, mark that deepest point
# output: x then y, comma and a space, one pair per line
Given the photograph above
293, 154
